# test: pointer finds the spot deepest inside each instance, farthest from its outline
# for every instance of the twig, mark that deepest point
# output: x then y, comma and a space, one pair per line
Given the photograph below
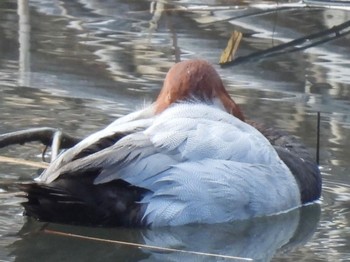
318, 138
56, 143
24, 162
43, 154
295, 45
259, 13
145, 246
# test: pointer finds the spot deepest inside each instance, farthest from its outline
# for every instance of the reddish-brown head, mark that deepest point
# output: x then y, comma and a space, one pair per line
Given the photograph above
198, 79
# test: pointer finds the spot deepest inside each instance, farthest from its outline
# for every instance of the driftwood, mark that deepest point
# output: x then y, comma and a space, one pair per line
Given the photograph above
299, 44
232, 46
50, 137
45, 135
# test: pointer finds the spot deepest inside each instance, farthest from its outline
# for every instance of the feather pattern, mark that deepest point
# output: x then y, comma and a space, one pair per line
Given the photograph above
100, 140
241, 191
209, 169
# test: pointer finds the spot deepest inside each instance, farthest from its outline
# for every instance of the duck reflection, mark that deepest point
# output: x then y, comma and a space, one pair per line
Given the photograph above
258, 239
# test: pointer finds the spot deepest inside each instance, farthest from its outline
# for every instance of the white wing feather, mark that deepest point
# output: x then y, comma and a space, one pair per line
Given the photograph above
200, 164
212, 191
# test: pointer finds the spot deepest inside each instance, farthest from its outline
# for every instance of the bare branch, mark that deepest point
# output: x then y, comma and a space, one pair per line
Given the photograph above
43, 134
296, 45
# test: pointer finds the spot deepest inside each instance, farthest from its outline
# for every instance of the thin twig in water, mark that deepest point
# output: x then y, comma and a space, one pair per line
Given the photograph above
258, 13
145, 246
19, 161
44, 153
318, 138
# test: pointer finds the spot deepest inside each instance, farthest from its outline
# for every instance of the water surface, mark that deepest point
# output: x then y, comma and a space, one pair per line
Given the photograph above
78, 65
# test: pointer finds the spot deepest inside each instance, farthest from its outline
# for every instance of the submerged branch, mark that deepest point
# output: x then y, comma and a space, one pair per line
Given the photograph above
46, 135
299, 44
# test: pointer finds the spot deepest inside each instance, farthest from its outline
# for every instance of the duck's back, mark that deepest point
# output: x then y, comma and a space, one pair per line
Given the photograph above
224, 170
193, 163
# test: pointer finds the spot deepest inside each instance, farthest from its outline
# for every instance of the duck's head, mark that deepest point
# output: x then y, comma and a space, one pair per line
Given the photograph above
195, 79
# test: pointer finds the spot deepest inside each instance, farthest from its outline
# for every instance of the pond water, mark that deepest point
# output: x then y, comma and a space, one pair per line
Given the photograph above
78, 65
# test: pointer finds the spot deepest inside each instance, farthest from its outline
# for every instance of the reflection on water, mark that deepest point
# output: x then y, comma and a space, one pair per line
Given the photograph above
77, 65
259, 239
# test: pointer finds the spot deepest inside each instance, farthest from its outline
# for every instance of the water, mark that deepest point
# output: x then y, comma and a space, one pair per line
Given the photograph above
78, 65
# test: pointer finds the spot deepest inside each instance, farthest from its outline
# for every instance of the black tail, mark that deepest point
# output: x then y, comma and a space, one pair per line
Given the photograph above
73, 200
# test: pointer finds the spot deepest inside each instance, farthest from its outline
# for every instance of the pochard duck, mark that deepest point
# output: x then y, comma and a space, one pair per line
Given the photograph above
190, 157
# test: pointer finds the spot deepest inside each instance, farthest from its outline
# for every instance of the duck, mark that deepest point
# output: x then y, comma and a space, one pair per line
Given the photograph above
190, 157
